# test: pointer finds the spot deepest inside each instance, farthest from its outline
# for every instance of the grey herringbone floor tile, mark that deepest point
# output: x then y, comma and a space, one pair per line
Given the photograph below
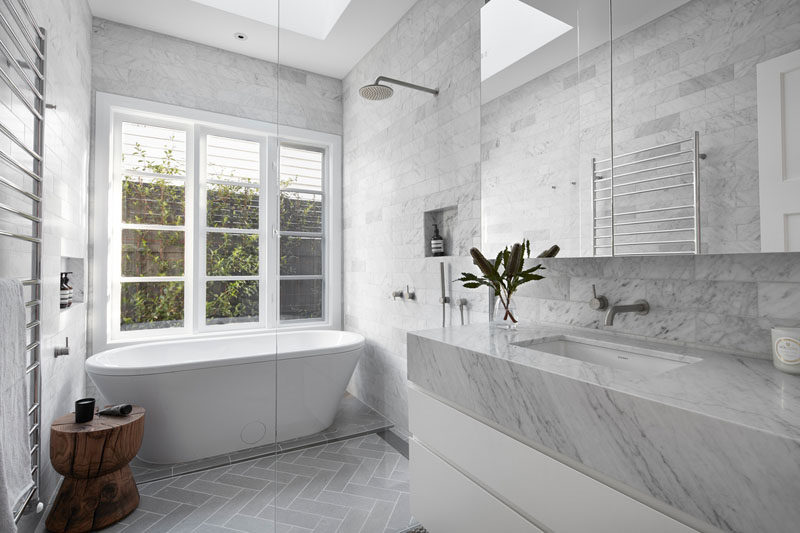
318, 508
354, 521
342, 477
182, 495
399, 519
252, 524
171, 520
286, 496
365, 471
378, 517
372, 492
354, 486
245, 482
156, 505
231, 508
260, 501
213, 488
347, 500
328, 525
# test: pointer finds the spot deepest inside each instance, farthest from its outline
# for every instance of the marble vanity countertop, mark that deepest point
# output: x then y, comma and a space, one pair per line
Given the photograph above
718, 439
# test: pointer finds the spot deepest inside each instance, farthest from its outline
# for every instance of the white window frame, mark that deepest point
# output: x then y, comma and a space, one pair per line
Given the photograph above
324, 194
115, 230
110, 111
201, 274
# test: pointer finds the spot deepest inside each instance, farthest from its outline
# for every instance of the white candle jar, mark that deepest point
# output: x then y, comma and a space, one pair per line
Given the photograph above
786, 349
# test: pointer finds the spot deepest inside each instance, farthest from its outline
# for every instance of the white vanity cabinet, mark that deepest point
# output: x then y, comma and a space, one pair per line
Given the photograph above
469, 477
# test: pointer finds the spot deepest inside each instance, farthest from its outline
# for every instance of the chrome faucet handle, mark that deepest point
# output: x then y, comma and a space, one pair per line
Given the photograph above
598, 303
59, 351
398, 294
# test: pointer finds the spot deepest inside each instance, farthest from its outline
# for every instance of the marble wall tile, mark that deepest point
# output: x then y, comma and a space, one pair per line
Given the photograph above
779, 300
143, 64
755, 267
404, 156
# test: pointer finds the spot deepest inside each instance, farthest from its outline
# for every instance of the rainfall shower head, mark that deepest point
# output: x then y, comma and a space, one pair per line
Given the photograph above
376, 91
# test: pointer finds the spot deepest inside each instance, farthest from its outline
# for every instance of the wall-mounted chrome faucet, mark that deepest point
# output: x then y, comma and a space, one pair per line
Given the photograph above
639, 306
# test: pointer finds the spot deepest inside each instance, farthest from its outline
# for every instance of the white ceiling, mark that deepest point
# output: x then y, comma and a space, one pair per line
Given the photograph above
307, 17
324, 36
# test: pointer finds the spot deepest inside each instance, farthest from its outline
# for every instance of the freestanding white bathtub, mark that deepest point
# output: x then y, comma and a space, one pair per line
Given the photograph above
210, 396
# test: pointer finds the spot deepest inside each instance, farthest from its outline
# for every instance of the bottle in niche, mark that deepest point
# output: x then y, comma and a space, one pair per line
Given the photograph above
437, 243
64, 291
69, 287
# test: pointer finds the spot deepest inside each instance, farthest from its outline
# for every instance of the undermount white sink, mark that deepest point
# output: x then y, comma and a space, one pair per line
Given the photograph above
614, 355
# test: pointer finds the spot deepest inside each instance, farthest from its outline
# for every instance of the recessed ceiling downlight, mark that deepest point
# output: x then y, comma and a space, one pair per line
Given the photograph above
239, 36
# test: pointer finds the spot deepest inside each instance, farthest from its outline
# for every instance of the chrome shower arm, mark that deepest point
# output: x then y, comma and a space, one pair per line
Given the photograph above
406, 84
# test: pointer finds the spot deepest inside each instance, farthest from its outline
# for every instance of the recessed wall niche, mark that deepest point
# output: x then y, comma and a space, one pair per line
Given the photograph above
77, 278
446, 218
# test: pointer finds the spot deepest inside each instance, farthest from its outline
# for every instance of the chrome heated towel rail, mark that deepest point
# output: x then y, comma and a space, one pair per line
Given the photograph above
22, 68
648, 201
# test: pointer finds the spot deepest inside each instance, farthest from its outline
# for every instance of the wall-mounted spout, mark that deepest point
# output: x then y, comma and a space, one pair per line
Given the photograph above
639, 306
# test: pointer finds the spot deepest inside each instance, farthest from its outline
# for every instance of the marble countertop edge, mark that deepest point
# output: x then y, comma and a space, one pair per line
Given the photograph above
740, 390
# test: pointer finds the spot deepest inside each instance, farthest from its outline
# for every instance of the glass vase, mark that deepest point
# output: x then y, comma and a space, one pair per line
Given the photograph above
505, 316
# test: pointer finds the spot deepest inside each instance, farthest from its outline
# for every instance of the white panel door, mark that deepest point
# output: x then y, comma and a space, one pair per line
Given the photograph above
779, 152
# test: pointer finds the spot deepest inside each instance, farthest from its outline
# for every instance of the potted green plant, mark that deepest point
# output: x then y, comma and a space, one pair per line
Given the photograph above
505, 276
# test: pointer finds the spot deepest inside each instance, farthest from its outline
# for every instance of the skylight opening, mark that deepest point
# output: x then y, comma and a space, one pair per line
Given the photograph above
512, 30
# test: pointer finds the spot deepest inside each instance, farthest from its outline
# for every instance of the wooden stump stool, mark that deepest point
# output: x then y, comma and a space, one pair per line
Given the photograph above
98, 488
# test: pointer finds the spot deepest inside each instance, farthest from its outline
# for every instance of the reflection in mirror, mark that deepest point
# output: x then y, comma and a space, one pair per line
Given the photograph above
544, 116
706, 68
706, 108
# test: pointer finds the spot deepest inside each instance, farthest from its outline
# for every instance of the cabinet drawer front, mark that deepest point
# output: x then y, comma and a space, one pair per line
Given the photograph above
540, 487
444, 500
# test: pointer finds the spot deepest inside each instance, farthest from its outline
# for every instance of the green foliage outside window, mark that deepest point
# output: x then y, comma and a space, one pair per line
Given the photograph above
161, 201
158, 201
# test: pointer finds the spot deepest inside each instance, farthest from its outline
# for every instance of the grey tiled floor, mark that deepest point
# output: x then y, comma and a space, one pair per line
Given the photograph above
353, 418
359, 485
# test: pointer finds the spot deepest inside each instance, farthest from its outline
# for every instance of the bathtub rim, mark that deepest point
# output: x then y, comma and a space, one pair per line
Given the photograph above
95, 364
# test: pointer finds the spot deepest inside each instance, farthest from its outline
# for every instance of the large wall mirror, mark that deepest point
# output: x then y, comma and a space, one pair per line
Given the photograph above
641, 127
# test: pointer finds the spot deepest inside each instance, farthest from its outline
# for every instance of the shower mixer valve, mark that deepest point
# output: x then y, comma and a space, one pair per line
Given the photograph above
404, 294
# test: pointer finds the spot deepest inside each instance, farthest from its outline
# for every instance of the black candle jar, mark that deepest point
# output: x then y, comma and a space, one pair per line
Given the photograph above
84, 410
